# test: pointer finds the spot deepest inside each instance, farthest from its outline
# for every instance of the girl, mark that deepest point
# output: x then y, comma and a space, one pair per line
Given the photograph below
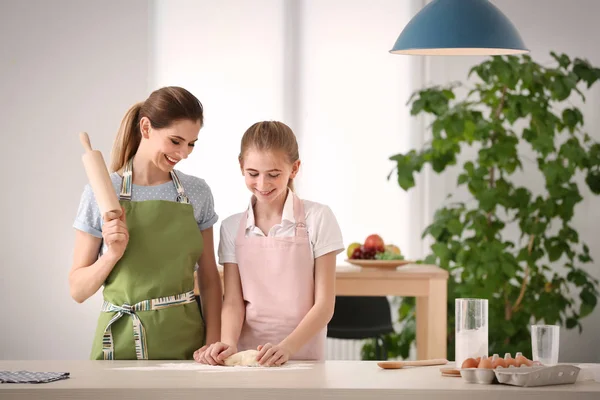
147, 260
279, 259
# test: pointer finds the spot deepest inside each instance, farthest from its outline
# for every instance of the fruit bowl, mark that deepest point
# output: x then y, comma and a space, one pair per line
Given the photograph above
381, 264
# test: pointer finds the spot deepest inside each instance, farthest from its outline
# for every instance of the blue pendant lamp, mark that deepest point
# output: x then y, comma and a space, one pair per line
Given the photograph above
459, 27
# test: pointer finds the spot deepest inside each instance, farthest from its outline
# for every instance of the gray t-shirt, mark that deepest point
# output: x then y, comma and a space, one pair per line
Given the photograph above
89, 220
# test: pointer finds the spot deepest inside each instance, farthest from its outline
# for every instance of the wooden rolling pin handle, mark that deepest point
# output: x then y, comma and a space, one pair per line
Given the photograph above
437, 361
99, 179
85, 141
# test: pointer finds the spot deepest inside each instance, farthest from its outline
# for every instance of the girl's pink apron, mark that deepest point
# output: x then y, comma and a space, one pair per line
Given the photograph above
278, 285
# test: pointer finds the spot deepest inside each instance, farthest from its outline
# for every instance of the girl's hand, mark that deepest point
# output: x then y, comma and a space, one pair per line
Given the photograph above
270, 355
116, 235
214, 354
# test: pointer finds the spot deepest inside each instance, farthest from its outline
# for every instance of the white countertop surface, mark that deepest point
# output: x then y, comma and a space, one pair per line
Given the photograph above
328, 380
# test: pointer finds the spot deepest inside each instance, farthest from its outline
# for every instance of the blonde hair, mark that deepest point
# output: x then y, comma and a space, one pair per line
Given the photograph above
271, 135
163, 107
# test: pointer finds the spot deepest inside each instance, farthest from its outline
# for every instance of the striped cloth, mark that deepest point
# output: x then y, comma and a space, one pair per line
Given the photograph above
31, 377
139, 333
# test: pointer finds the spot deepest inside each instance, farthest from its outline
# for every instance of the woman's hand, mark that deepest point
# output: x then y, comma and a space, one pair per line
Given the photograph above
116, 235
270, 355
214, 354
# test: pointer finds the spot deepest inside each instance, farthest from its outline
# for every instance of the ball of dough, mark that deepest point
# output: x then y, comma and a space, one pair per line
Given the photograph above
246, 358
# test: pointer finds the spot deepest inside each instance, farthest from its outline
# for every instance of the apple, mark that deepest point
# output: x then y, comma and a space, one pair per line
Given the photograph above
351, 249
392, 248
374, 243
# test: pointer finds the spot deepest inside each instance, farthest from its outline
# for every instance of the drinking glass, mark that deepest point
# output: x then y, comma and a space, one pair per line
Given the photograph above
471, 329
544, 343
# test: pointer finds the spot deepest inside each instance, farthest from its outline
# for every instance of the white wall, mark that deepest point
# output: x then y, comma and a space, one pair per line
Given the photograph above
545, 25
66, 66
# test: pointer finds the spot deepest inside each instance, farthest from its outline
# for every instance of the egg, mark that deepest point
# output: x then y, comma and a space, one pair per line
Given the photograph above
522, 360
470, 363
485, 363
509, 360
498, 362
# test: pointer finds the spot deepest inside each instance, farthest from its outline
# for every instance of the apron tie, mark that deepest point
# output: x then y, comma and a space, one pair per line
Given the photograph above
139, 333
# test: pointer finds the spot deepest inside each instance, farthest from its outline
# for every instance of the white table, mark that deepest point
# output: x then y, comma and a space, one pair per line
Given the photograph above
346, 380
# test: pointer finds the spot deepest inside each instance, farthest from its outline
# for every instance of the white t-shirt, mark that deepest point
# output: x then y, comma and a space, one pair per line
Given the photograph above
323, 229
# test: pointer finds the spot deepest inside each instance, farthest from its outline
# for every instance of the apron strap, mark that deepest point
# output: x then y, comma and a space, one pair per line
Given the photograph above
126, 181
299, 216
181, 197
139, 333
126, 184
241, 232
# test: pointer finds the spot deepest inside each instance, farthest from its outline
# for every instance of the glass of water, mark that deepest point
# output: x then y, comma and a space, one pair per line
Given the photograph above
471, 329
544, 343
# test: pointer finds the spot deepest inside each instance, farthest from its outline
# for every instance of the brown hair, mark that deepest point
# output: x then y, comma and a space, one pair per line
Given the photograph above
271, 135
163, 107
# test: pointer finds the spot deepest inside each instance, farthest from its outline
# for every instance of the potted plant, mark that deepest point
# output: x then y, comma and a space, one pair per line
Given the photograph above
511, 243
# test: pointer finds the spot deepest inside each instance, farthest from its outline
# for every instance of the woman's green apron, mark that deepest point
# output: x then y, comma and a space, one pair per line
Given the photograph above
149, 309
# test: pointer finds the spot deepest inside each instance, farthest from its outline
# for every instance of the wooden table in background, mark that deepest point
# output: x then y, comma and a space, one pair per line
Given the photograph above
428, 283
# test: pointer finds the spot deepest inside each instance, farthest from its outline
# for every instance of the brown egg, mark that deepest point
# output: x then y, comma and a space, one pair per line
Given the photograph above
485, 363
498, 362
522, 360
509, 360
470, 363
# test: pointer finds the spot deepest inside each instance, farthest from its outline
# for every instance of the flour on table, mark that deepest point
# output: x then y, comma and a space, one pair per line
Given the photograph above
193, 366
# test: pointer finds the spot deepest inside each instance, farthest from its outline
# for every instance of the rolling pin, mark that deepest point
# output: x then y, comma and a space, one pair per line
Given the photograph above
97, 174
418, 363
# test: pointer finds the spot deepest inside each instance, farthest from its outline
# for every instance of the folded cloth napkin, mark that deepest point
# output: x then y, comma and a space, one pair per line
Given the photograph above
31, 377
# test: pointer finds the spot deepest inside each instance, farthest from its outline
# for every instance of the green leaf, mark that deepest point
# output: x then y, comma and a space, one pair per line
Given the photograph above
577, 277
488, 200
572, 117
585, 71
417, 106
555, 248
563, 59
448, 94
571, 323
441, 160
462, 179
508, 269
406, 165
588, 297
585, 309
593, 181
441, 250
573, 151
542, 142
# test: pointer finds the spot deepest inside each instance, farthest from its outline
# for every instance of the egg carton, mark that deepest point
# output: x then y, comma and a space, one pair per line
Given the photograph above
523, 376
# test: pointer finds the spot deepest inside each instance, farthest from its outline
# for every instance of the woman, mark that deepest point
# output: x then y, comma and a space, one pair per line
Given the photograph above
145, 259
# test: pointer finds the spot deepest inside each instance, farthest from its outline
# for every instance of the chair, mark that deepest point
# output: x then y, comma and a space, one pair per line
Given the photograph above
362, 317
